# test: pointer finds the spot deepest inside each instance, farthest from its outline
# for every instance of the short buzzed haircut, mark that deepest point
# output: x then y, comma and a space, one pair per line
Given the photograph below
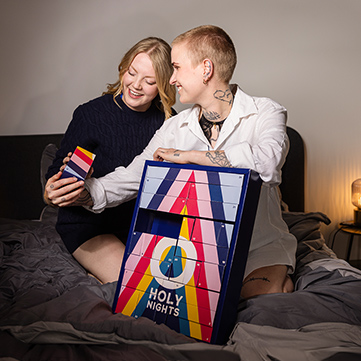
210, 42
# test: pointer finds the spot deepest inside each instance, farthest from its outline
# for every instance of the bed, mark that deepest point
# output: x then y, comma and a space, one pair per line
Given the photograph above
51, 309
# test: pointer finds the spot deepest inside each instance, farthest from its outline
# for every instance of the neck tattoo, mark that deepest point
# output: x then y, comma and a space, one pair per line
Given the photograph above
224, 96
210, 120
211, 129
211, 116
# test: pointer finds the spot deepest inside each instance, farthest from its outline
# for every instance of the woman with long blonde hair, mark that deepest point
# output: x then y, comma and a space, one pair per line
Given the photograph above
116, 127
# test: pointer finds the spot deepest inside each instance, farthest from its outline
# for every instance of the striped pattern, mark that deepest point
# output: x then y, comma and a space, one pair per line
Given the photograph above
79, 164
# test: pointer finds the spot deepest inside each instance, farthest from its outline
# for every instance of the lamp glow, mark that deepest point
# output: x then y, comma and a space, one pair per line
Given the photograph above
356, 200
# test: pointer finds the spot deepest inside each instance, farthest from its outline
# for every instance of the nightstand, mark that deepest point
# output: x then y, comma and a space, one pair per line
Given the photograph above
352, 230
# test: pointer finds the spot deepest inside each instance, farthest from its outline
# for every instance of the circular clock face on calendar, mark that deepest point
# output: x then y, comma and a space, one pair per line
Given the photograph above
159, 265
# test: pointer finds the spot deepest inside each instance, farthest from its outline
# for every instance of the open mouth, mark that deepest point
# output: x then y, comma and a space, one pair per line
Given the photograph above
134, 94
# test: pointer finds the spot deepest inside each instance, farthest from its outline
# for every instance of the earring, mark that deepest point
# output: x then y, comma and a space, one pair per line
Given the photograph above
207, 72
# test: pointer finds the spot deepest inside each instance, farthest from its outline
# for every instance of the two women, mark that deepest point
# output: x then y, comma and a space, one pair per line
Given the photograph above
226, 127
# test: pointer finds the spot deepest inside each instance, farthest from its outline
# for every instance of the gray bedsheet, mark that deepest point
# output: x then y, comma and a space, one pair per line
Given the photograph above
50, 309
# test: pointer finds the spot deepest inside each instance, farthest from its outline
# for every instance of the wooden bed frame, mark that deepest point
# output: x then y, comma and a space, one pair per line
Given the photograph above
20, 182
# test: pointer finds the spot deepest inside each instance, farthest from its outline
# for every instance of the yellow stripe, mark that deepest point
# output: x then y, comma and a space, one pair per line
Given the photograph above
191, 297
184, 231
195, 330
133, 301
87, 153
144, 282
184, 210
190, 290
131, 304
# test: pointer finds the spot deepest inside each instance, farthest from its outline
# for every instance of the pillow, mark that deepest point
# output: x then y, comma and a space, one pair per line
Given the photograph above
49, 213
47, 158
306, 227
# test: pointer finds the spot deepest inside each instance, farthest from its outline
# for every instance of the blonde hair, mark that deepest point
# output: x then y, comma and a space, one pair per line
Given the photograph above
210, 42
159, 53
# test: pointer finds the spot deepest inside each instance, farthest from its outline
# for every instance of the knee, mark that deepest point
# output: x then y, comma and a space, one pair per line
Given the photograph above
288, 285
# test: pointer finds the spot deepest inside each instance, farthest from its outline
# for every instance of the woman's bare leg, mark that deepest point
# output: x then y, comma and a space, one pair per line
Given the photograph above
101, 256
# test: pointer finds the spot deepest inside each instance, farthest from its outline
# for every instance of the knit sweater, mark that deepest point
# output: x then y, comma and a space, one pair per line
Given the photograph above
116, 135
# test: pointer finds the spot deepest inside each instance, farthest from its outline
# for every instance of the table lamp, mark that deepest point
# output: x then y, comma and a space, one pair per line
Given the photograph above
356, 201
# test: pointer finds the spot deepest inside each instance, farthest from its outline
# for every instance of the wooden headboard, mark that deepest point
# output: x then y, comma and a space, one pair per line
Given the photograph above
20, 186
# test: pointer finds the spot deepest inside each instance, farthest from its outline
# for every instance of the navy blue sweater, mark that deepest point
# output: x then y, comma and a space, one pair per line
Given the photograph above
116, 136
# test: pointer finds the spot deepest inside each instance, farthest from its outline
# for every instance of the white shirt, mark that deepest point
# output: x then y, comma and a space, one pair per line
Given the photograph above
253, 136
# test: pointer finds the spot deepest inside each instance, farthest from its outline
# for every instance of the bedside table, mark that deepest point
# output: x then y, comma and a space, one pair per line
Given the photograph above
352, 230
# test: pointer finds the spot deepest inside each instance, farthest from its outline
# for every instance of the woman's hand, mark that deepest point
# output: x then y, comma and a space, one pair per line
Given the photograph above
67, 191
63, 192
66, 161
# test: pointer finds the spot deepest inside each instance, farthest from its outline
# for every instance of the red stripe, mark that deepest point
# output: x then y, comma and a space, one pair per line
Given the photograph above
123, 299
206, 333
202, 294
133, 283
83, 156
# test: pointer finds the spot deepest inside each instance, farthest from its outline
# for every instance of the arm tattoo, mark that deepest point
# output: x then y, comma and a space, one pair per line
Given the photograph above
84, 199
176, 153
257, 278
218, 158
224, 96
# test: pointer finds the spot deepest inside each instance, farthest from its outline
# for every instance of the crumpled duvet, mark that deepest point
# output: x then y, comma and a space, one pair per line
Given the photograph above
51, 309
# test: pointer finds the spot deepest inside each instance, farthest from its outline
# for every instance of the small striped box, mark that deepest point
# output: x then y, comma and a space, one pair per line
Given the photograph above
79, 164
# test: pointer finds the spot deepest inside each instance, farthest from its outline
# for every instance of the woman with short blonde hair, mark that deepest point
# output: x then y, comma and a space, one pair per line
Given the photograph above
208, 41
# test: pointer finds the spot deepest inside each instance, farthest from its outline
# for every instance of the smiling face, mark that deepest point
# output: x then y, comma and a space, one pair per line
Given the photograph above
187, 78
139, 84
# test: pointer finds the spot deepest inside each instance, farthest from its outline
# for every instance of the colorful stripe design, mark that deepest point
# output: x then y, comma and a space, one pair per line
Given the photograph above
200, 193
79, 164
177, 281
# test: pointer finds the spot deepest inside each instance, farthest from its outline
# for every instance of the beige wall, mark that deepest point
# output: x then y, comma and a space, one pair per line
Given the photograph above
303, 54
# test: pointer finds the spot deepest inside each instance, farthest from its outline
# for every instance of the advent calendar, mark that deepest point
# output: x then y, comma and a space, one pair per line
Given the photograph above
187, 248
